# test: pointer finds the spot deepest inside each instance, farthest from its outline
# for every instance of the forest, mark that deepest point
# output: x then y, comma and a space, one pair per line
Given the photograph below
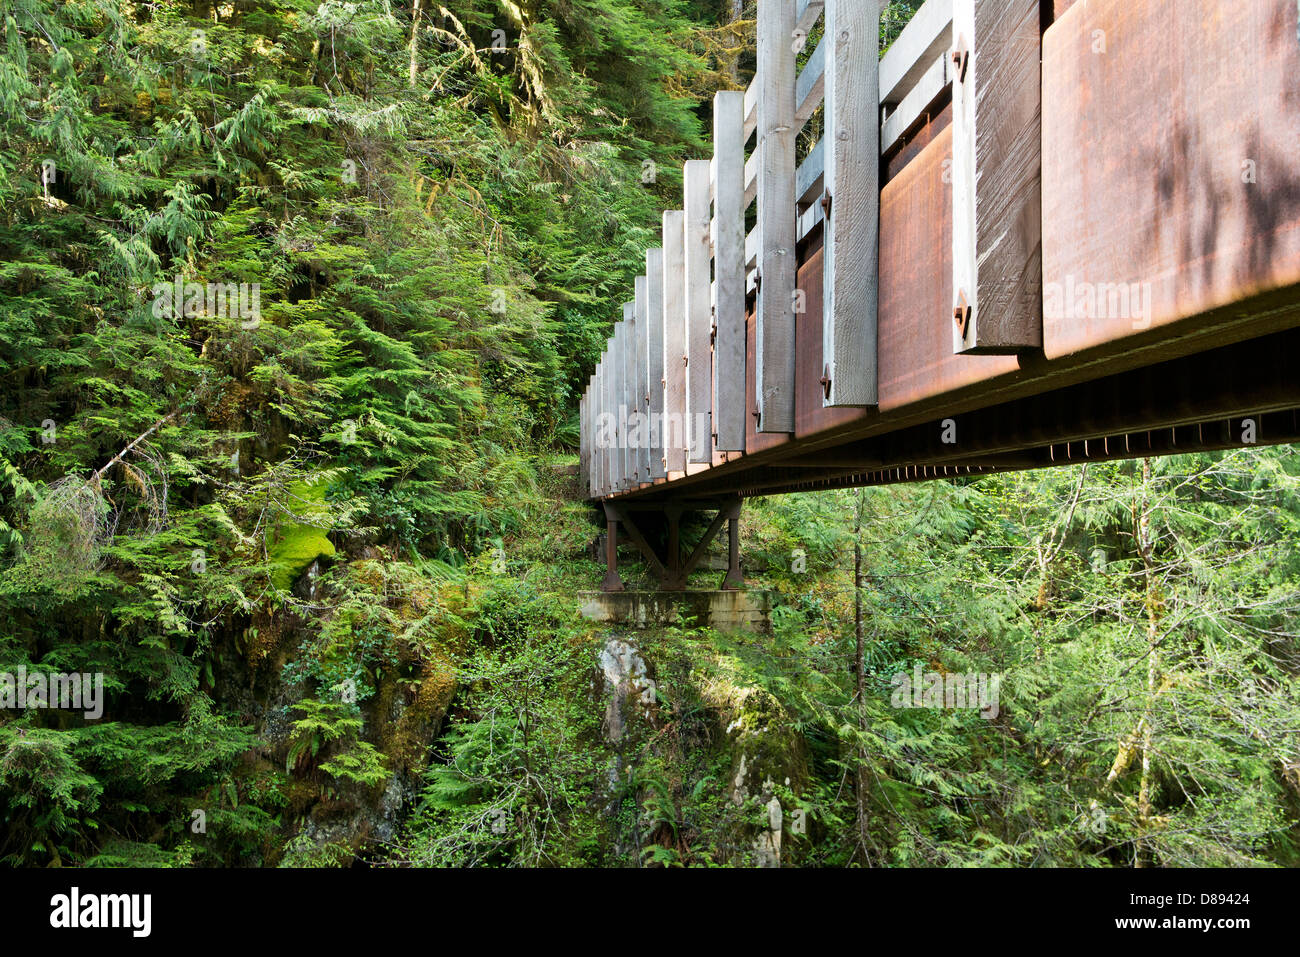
297, 300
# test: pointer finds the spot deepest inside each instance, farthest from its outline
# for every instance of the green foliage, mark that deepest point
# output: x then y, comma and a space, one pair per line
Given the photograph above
435, 230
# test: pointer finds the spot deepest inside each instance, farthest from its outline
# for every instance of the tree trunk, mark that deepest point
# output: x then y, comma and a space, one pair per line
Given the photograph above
859, 686
1142, 520
415, 35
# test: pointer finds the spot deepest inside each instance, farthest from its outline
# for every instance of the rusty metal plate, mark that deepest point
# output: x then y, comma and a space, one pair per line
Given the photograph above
810, 416
915, 332
896, 161
1171, 178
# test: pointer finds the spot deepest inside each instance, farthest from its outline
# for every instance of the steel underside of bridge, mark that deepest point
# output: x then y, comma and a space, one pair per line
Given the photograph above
1086, 247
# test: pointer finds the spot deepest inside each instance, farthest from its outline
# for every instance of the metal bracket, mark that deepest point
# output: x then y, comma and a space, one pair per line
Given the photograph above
961, 59
961, 313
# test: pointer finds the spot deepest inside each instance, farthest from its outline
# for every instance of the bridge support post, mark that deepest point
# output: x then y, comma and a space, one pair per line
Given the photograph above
611, 582
674, 568
674, 579
733, 580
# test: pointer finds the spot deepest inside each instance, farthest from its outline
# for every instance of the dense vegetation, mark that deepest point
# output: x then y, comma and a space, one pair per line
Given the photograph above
326, 552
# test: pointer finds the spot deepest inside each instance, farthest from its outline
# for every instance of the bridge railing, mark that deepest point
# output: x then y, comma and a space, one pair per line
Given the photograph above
1051, 197
669, 395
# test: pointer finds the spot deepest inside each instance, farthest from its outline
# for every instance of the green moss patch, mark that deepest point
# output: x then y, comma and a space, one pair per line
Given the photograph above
296, 544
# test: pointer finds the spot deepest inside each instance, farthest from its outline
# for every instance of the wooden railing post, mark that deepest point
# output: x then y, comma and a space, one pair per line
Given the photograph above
626, 386
729, 269
851, 203
619, 377
997, 172
641, 397
583, 447
611, 421
775, 331
654, 271
674, 300
699, 319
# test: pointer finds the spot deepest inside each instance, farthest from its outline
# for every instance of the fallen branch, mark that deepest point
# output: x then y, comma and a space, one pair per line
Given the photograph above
134, 442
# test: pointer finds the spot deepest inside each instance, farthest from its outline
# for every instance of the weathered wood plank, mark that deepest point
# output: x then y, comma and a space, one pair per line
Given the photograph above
593, 450
776, 219
627, 386
810, 87
807, 14
997, 164
699, 319
810, 178
618, 378
809, 219
654, 268
583, 446
642, 396
928, 35
729, 270
611, 422
853, 187
751, 108
674, 302
917, 102
597, 451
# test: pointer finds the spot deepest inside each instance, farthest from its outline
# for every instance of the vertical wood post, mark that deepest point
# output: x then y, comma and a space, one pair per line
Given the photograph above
674, 300
852, 203
654, 270
734, 578
619, 377
584, 447
699, 319
642, 397
627, 385
997, 176
597, 453
673, 580
611, 581
606, 400
729, 269
775, 330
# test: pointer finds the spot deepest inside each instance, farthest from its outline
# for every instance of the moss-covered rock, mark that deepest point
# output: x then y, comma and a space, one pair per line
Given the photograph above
295, 544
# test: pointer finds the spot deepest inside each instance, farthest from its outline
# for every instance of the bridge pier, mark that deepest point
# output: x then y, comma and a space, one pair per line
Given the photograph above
674, 568
611, 582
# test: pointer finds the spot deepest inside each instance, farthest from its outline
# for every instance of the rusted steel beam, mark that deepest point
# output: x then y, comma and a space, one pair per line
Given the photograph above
1253, 378
812, 415
916, 356
1171, 185
634, 534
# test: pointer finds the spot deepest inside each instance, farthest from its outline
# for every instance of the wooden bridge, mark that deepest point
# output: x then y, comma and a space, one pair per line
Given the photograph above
1033, 233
